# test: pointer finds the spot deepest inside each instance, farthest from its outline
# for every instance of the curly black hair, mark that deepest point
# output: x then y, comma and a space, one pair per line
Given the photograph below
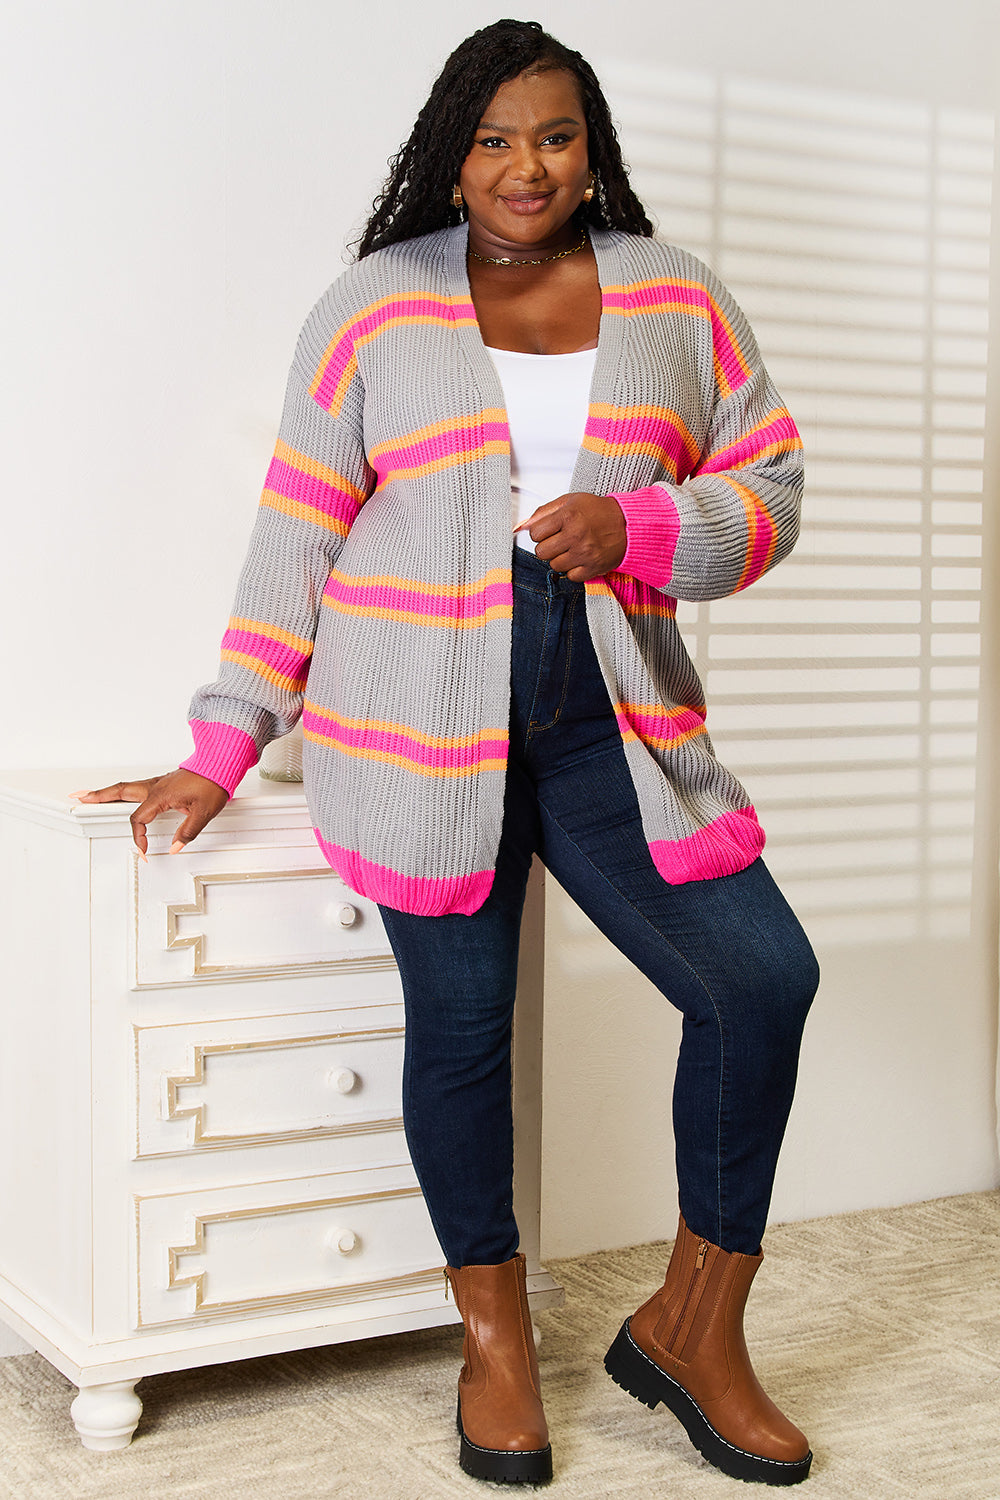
416, 197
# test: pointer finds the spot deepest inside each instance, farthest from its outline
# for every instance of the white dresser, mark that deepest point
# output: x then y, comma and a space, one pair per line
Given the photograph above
203, 1156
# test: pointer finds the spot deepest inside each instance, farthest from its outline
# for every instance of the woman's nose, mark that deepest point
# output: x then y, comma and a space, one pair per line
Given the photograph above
526, 165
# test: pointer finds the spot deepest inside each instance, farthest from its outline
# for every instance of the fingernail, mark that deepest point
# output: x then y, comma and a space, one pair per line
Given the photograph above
176, 847
77, 795
142, 856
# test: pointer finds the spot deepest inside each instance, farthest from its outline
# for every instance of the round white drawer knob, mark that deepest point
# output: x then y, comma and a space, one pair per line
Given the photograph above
347, 916
343, 1079
344, 1240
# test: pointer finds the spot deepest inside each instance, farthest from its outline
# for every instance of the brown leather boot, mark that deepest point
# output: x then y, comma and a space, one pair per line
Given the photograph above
685, 1347
500, 1417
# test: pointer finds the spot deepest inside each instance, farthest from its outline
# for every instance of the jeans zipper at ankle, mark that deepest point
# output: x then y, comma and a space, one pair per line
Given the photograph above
696, 1273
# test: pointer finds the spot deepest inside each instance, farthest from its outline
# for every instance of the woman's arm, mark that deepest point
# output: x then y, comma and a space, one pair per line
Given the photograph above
730, 521
316, 483
315, 486
737, 513
732, 518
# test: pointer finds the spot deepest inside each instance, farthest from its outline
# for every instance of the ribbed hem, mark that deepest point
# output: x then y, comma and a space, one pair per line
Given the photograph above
222, 753
725, 846
652, 527
418, 895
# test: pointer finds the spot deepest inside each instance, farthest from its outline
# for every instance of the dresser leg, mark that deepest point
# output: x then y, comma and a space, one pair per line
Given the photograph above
107, 1415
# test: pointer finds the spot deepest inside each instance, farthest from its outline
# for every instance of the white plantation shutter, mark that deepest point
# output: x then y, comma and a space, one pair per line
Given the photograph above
842, 688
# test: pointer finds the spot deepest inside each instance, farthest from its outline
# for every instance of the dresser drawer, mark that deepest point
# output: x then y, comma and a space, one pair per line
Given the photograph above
204, 1086
249, 912
356, 1237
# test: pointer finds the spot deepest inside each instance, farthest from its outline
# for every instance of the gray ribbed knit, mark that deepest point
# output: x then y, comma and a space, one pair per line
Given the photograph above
393, 401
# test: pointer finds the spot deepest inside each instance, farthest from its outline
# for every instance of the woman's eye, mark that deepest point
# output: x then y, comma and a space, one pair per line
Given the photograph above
493, 140
555, 140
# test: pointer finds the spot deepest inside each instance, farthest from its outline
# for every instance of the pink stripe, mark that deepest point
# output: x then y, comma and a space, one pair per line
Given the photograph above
762, 548
336, 365
419, 895
358, 594
635, 299
661, 725
442, 445
283, 659
343, 351
307, 489
727, 845
222, 752
783, 430
652, 529
636, 597
379, 741
657, 432
727, 352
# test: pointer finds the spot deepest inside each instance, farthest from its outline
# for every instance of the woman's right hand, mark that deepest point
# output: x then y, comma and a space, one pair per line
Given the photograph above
185, 791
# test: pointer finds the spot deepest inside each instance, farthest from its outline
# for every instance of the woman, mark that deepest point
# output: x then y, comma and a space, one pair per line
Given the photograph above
511, 333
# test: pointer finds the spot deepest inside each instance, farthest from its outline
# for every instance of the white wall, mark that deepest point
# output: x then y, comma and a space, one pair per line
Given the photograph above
184, 181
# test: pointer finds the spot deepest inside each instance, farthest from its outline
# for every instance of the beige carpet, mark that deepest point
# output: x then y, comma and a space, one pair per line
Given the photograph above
879, 1332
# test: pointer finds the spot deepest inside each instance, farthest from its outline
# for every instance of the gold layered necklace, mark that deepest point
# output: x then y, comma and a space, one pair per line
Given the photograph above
507, 260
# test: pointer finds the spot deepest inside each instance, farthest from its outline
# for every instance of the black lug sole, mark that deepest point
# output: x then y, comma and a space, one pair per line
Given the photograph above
636, 1373
500, 1466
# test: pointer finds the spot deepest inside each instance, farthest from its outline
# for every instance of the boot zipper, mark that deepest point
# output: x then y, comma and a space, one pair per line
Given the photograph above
698, 1267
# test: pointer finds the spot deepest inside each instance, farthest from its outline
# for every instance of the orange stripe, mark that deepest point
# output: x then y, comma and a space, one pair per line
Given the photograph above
651, 450
783, 445
302, 512
641, 286
379, 612
391, 758
661, 708
449, 462
385, 726
668, 742
273, 633
720, 375
343, 386
438, 429
756, 512
437, 590
367, 311
316, 470
253, 664
660, 307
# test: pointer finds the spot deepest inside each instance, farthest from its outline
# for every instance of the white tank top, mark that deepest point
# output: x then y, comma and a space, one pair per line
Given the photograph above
546, 396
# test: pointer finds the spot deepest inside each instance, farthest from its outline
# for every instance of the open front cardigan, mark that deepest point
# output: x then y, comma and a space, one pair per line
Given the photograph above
376, 595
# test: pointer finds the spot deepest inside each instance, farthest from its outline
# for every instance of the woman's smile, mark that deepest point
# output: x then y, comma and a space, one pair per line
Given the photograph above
526, 203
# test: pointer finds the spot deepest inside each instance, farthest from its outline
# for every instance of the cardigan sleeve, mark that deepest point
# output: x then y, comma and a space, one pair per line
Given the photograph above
315, 485
737, 513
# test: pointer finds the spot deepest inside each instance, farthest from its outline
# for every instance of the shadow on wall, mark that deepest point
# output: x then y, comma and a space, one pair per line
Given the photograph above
842, 689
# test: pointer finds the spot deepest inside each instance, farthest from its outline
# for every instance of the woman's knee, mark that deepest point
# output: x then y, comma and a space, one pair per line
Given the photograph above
781, 988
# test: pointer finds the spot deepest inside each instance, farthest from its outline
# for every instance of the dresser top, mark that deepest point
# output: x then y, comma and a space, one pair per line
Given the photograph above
42, 796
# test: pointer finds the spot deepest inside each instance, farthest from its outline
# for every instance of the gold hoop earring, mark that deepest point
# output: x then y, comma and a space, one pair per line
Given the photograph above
589, 190
456, 196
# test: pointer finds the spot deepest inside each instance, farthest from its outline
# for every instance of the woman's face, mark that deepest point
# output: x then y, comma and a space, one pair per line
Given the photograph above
528, 169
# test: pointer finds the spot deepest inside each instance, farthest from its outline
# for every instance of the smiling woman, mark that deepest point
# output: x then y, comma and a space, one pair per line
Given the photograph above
477, 690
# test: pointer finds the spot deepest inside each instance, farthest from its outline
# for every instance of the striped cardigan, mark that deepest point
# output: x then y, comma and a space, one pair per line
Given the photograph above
376, 595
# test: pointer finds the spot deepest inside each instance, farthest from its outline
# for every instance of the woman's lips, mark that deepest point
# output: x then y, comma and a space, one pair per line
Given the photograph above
522, 204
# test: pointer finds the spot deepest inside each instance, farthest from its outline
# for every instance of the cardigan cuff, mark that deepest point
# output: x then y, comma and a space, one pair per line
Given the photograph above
222, 753
652, 527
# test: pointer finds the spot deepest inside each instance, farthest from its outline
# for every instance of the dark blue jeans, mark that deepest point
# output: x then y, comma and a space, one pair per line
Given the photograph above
728, 953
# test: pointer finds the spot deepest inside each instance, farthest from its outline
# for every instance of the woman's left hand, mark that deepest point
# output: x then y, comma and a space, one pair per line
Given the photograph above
580, 535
